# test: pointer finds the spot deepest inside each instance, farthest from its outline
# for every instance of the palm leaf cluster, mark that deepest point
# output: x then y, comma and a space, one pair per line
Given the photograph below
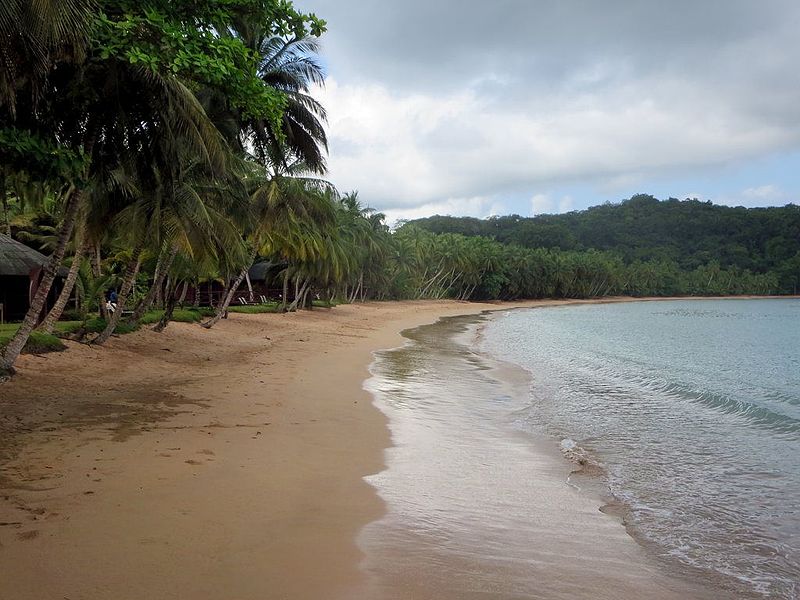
171, 142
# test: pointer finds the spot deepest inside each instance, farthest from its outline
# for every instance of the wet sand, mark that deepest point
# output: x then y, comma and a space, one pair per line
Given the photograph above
199, 464
478, 508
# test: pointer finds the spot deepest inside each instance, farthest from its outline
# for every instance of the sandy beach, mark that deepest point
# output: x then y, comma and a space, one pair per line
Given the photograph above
200, 464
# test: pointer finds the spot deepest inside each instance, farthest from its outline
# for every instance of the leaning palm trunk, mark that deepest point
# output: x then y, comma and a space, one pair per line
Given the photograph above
285, 296
432, 282
97, 272
358, 290
184, 291
298, 296
306, 300
69, 284
228, 295
168, 310
162, 270
249, 285
127, 285
167, 285
17, 343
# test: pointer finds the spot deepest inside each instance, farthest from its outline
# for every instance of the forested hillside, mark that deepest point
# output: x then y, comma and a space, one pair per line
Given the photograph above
688, 234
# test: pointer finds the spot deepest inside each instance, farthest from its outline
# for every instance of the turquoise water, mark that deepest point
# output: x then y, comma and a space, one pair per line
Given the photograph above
691, 410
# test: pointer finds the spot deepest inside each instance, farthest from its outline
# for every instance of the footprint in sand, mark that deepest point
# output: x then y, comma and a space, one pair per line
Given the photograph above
206, 451
193, 462
28, 535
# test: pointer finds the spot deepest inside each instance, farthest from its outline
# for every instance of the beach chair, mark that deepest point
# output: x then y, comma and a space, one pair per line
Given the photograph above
243, 301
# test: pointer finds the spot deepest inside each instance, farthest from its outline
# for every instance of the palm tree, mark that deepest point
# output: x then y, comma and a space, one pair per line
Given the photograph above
288, 211
34, 37
366, 236
291, 67
171, 214
292, 150
202, 219
129, 131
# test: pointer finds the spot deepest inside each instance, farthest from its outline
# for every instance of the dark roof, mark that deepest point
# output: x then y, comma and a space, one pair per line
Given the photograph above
17, 259
260, 270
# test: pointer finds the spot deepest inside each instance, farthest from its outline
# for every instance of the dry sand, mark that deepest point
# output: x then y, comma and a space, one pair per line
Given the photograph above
196, 464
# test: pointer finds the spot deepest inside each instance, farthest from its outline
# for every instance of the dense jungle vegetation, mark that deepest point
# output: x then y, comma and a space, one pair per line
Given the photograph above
151, 149
756, 248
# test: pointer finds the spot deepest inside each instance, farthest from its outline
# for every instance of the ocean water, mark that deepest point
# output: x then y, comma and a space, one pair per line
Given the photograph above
690, 413
479, 502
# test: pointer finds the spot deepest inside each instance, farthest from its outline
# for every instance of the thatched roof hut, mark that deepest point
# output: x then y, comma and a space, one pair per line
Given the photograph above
20, 271
17, 260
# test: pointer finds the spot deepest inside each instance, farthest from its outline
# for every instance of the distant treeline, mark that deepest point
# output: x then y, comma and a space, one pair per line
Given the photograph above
641, 246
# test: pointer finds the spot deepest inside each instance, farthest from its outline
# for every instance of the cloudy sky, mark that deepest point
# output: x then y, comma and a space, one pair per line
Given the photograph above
470, 107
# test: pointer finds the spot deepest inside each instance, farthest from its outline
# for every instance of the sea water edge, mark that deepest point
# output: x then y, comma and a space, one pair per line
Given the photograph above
510, 382
776, 572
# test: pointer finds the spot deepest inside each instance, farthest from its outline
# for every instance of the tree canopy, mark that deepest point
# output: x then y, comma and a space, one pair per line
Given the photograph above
688, 234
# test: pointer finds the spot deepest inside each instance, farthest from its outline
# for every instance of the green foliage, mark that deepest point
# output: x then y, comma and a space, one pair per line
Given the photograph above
183, 38
253, 309
660, 237
38, 343
181, 315
187, 316
150, 317
97, 325
24, 151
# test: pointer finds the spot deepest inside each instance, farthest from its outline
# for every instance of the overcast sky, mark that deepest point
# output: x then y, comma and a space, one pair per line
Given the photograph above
511, 106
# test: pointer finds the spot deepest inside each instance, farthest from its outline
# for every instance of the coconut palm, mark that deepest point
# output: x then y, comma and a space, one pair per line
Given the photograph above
131, 132
34, 37
288, 213
290, 66
178, 212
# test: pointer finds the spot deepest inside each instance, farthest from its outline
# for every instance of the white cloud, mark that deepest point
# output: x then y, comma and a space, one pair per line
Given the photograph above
755, 196
542, 204
609, 97
764, 192
409, 151
565, 204
480, 207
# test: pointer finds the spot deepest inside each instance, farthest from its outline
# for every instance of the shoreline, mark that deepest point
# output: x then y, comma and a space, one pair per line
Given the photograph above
558, 538
202, 464
197, 463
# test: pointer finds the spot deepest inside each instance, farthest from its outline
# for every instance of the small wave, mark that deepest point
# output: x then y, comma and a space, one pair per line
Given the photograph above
698, 313
755, 414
